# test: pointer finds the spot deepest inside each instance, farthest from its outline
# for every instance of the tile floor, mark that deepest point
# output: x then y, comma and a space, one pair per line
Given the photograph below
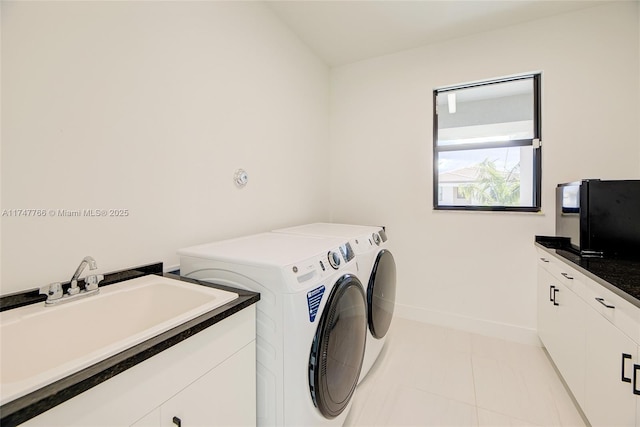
433, 376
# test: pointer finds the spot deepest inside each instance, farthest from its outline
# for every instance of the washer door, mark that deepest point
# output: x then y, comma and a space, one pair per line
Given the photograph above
381, 294
338, 347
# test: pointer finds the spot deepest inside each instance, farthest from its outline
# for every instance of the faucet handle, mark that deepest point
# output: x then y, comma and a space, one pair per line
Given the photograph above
91, 282
53, 291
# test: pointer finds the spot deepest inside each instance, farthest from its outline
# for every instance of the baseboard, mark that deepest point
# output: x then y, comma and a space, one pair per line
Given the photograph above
477, 326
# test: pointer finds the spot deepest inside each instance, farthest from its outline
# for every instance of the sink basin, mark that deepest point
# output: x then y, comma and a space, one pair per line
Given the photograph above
39, 345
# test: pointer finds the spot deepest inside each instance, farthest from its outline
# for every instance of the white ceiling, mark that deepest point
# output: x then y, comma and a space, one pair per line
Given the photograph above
344, 31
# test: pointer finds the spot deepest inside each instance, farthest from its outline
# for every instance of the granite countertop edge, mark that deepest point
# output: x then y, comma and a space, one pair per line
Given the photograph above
49, 396
551, 245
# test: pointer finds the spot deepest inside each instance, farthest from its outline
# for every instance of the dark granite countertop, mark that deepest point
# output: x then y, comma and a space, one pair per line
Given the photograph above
39, 401
621, 276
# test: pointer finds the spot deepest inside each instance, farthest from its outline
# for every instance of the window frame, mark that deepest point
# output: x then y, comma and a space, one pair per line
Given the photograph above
534, 142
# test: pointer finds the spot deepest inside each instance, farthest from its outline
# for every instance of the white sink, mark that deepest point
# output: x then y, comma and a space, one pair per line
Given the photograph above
39, 345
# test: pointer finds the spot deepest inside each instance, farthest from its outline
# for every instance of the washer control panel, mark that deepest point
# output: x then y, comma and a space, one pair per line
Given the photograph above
347, 252
322, 265
334, 259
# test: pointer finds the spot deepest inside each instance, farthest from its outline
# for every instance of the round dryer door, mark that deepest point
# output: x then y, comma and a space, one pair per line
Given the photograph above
338, 347
381, 294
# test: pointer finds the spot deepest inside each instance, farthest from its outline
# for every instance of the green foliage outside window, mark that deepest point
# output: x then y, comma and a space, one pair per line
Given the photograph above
494, 187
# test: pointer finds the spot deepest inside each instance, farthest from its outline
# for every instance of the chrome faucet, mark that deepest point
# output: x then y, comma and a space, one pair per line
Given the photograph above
56, 295
74, 289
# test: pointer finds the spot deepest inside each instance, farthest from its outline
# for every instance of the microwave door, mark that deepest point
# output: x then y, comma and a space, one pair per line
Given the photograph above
568, 213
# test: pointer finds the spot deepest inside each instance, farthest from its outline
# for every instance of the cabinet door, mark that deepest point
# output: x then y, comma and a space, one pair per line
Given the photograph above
610, 356
225, 396
562, 330
547, 330
152, 419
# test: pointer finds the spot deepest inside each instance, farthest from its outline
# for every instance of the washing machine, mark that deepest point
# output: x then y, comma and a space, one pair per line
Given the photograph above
376, 270
311, 320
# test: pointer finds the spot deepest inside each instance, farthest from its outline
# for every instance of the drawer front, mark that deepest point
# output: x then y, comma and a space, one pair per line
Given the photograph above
563, 273
621, 313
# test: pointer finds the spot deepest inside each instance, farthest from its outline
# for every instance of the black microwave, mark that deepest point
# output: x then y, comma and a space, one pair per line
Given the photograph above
601, 218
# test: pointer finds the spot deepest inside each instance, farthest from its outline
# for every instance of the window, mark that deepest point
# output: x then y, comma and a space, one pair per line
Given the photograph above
486, 145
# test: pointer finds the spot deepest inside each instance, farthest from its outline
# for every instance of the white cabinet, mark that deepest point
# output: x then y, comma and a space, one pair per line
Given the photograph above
610, 357
218, 398
592, 336
561, 329
152, 419
208, 379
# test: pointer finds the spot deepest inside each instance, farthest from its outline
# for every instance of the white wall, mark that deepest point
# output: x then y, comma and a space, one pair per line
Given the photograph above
476, 271
1, 20
151, 107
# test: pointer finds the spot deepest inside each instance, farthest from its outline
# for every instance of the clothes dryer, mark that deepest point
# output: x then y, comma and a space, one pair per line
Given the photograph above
376, 270
311, 320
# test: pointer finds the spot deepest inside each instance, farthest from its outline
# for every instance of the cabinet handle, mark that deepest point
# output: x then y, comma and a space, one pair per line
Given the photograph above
624, 357
601, 301
544, 260
635, 376
177, 421
567, 276
551, 288
554, 296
